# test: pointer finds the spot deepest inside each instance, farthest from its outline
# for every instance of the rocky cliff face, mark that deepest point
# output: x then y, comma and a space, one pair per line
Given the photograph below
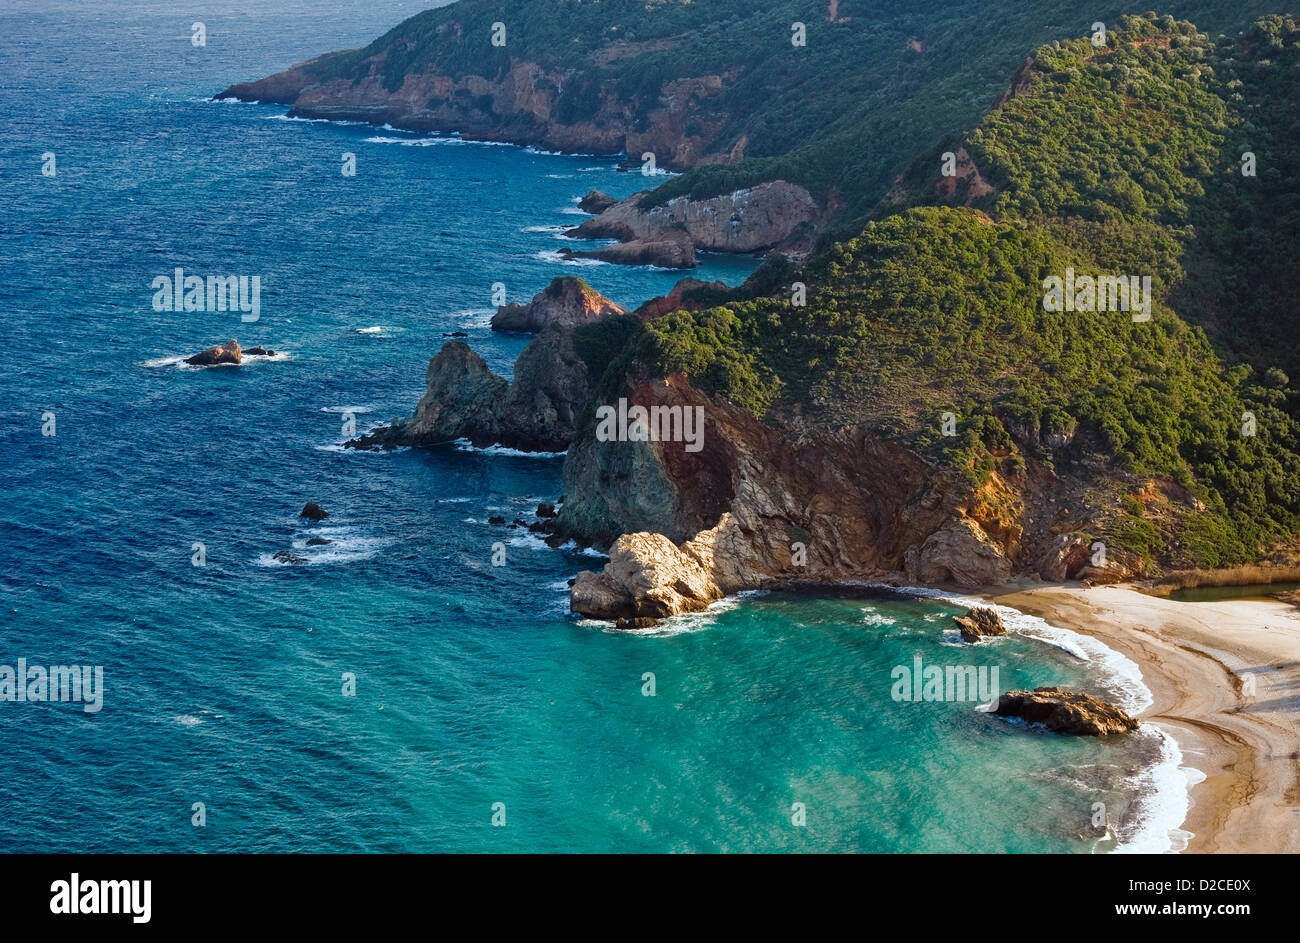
567, 301
518, 107
788, 503
771, 215
537, 412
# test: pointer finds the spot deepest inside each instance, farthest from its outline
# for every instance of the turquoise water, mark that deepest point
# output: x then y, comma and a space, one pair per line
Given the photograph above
223, 683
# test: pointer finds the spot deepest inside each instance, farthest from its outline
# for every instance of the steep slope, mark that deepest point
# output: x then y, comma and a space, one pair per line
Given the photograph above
720, 86
1075, 430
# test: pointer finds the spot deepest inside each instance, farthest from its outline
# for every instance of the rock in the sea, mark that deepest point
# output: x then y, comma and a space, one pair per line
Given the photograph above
979, 623
227, 353
258, 352
313, 512
596, 202
284, 556
546, 509
1062, 711
496, 519
567, 301
638, 623
319, 541
669, 249
537, 412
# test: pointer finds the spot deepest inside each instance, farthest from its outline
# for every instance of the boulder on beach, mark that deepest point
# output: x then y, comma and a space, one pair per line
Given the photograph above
227, 353
313, 512
979, 623
1062, 711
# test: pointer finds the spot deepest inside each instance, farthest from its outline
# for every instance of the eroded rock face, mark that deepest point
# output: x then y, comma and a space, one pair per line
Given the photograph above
566, 301
538, 412
758, 218
518, 106
980, 622
1070, 712
774, 503
460, 401
958, 552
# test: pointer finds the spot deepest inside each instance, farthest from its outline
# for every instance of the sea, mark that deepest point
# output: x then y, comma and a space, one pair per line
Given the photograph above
396, 691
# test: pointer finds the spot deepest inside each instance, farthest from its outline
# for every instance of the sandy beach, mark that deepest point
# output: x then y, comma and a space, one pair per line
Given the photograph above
1197, 658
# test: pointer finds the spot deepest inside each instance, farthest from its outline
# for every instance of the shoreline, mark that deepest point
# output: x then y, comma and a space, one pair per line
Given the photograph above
1194, 657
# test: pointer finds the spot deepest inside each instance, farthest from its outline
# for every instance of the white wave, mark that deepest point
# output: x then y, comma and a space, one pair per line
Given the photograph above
550, 229
1162, 803
434, 142
552, 255
474, 317
574, 211
346, 409
377, 330
464, 445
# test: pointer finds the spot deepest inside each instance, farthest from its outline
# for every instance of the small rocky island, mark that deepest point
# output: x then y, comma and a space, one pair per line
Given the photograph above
1062, 711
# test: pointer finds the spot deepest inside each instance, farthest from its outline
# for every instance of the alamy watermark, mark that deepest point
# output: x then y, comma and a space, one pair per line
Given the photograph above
1098, 293
921, 682
64, 683
656, 424
181, 292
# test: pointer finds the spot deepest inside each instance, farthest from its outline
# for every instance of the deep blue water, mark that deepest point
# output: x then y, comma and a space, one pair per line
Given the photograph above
223, 683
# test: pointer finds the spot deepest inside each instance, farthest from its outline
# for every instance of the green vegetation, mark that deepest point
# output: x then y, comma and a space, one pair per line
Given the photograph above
842, 115
1110, 163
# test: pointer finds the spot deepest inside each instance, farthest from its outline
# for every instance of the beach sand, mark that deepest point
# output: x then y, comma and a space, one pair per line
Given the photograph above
1195, 657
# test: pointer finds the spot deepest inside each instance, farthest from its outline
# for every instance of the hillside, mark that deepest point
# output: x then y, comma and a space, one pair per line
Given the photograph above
1071, 425
717, 88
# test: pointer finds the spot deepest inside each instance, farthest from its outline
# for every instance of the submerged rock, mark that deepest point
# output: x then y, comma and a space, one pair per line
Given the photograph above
284, 556
979, 623
638, 623
1070, 712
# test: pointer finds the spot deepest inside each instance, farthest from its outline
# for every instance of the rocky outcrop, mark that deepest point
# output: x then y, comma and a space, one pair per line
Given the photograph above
958, 552
596, 202
519, 105
313, 512
1070, 712
767, 216
668, 249
979, 623
463, 398
690, 294
566, 301
227, 353
781, 502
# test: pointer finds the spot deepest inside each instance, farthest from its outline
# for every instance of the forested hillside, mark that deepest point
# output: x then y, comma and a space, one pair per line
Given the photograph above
1120, 160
